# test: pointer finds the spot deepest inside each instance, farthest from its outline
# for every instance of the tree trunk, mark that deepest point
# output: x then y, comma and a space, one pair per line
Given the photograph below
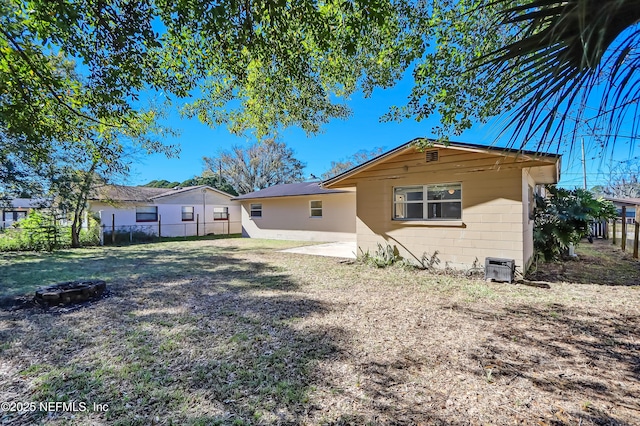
75, 234
81, 204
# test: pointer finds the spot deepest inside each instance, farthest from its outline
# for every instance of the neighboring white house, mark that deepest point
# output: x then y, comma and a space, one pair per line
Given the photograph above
177, 212
18, 208
300, 211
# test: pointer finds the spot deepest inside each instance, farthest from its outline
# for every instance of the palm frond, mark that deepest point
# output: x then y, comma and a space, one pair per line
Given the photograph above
559, 52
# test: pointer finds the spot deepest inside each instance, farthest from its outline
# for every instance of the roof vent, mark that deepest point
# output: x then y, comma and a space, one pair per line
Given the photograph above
431, 156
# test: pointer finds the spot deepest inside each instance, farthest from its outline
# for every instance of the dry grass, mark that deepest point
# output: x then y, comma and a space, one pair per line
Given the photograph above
599, 263
234, 332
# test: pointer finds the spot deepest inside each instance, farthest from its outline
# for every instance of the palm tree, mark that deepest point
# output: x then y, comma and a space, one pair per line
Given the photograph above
564, 55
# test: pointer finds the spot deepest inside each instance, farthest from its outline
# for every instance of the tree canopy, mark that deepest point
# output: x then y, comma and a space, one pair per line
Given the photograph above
77, 72
253, 65
74, 73
208, 178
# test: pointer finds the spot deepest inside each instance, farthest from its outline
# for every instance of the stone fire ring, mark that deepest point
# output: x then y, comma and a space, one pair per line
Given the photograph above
70, 292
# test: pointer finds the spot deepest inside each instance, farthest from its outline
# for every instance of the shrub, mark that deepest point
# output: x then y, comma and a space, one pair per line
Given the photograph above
41, 231
383, 257
429, 262
565, 217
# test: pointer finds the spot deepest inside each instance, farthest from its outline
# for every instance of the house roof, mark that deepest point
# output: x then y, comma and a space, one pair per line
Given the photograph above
25, 203
143, 193
289, 190
191, 188
624, 201
455, 145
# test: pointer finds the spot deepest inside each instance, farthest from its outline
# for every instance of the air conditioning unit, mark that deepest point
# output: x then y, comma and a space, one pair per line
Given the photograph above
497, 269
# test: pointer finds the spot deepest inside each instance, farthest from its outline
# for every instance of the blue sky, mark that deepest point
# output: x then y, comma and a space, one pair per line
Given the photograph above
341, 138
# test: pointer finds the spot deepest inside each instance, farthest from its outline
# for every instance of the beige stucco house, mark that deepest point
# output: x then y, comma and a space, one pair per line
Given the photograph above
465, 201
300, 211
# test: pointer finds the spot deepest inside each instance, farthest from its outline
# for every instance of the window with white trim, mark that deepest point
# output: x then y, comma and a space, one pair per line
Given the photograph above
255, 210
428, 202
187, 213
146, 214
13, 215
315, 208
220, 213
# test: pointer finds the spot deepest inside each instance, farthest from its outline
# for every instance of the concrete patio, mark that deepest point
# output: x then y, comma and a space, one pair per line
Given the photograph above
345, 250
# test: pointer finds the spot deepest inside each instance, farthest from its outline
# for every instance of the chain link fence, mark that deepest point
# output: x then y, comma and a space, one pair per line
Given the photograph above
125, 234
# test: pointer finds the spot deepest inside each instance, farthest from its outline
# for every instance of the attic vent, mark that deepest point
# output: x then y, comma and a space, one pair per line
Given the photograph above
431, 156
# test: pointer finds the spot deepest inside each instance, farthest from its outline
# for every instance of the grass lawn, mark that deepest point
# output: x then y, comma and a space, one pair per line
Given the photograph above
233, 331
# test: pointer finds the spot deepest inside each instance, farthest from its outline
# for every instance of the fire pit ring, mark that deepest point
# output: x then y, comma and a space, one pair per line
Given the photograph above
70, 292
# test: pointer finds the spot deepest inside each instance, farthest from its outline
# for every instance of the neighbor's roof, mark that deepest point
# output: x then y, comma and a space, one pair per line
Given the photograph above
289, 190
191, 188
143, 193
625, 201
25, 203
454, 145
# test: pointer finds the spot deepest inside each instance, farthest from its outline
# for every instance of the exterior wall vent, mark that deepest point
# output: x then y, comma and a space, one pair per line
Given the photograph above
431, 156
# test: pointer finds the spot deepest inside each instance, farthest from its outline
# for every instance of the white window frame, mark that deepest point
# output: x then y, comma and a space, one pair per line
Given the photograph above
313, 209
425, 202
255, 207
221, 213
147, 207
193, 213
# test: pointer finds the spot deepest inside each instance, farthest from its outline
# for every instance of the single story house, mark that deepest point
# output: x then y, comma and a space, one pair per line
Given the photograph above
18, 208
302, 211
630, 205
467, 202
174, 212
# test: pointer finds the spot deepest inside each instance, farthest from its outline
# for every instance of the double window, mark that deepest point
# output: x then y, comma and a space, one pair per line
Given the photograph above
315, 208
146, 214
221, 213
256, 210
428, 202
13, 215
187, 213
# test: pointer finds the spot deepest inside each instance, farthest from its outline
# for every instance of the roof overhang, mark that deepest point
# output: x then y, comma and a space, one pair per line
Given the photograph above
552, 159
202, 188
626, 202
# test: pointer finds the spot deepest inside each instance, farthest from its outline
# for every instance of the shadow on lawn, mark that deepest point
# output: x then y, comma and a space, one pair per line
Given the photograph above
218, 346
561, 350
169, 261
224, 344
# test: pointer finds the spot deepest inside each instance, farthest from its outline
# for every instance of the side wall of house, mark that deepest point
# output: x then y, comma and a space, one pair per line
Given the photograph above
528, 190
289, 218
170, 212
203, 204
492, 209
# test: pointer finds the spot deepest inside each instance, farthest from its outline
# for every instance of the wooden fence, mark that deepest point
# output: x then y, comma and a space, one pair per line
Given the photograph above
624, 234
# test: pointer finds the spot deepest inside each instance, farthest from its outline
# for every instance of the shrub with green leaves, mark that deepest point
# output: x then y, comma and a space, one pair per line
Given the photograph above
565, 217
41, 231
384, 256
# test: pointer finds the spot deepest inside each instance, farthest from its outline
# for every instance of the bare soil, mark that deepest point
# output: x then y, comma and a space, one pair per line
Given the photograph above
256, 336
